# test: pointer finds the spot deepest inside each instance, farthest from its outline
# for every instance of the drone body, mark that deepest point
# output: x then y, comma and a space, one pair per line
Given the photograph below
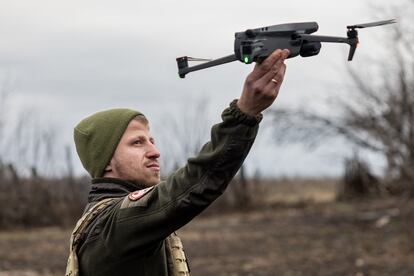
254, 45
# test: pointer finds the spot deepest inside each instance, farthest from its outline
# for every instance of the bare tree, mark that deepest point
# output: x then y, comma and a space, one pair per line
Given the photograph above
30, 145
32, 191
4, 93
183, 134
378, 113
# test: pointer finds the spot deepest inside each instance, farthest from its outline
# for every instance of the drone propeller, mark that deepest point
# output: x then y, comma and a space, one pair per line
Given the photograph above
372, 24
352, 34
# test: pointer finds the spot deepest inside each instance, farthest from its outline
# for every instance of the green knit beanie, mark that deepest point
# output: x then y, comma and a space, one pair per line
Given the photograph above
97, 136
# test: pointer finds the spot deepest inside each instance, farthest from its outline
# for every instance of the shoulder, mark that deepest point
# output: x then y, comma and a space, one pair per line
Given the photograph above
137, 198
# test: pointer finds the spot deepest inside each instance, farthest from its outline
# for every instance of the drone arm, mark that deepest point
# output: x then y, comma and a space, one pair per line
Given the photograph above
183, 68
322, 38
351, 52
352, 42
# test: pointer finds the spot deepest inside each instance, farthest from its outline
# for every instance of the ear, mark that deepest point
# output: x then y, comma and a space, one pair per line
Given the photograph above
108, 168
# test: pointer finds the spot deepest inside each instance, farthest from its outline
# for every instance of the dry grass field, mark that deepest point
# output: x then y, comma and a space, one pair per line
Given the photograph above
298, 230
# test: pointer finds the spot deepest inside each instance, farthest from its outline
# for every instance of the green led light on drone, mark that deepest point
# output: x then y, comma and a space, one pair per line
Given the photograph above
246, 59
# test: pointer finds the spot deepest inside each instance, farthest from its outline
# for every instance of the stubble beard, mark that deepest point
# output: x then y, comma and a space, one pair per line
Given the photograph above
143, 180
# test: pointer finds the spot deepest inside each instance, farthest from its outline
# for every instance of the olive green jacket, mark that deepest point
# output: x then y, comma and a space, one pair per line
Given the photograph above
128, 238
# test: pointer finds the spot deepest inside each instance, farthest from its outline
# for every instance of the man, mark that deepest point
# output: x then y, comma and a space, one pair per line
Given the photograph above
129, 224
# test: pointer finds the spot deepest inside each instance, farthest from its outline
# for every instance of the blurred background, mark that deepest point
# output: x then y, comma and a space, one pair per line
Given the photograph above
327, 188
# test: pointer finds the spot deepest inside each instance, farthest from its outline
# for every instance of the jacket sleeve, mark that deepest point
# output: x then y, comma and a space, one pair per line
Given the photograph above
185, 193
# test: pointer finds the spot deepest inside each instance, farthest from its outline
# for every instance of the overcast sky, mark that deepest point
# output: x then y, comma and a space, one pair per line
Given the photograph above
69, 59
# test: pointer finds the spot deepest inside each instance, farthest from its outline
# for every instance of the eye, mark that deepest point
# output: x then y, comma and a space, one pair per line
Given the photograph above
138, 142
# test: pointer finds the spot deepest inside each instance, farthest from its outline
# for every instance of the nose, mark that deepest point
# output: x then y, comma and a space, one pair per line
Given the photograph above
153, 152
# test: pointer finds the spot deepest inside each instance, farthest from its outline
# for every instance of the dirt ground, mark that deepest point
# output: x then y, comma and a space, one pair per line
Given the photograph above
283, 237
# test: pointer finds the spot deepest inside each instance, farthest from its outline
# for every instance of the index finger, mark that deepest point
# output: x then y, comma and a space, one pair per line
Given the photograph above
260, 69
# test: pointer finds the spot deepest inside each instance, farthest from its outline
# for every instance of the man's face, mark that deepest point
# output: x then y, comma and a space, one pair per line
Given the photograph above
135, 158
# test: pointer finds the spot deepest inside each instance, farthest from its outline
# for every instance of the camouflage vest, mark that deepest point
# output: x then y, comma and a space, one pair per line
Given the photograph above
177, 262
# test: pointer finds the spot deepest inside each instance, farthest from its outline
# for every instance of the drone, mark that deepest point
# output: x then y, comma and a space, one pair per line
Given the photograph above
254, 45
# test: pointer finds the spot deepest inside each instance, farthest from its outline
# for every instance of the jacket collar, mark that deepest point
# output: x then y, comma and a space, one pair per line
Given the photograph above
106, 187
